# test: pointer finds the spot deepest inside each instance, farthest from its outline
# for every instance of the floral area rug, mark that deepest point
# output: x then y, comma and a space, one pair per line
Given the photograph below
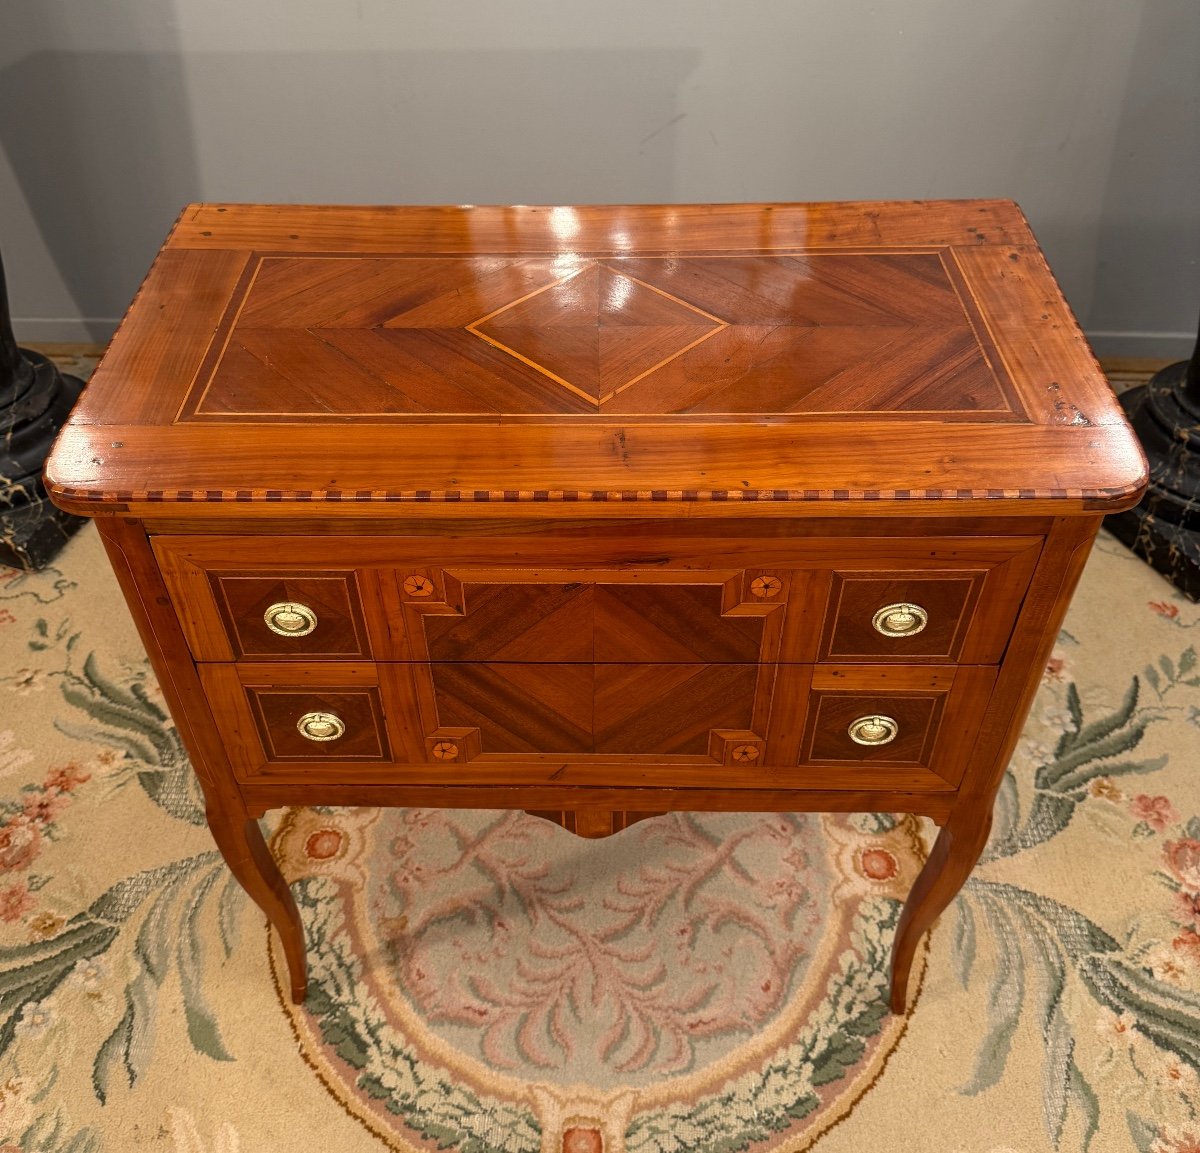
486, 981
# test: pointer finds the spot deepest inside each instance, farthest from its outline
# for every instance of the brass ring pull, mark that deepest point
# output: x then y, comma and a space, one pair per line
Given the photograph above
321, 726
900, 620
290, 619
874, 730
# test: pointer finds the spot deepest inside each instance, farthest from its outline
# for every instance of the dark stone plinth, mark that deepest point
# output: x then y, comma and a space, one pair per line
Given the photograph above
35, 399
1164, 529
32, 534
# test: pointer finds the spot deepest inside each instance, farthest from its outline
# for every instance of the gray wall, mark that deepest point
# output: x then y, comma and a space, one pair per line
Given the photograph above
113, 113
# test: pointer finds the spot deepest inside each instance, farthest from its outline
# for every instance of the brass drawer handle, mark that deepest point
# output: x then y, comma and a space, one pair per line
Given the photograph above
900, 620
875, 730
321, 726
290, 619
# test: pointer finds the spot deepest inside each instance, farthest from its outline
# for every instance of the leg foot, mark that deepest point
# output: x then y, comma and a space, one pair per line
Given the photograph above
245, 851
953, 856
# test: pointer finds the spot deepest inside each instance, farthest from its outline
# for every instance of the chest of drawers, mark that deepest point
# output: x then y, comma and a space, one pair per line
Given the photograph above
599, 512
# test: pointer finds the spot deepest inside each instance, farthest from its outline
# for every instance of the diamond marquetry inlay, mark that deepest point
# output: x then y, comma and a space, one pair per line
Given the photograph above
596, 331
691, 336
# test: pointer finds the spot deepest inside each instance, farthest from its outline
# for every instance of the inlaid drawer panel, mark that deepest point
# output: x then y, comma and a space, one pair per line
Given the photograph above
901, 617
455, 713
555, 616
869, 600
854, 717
623, 709
304, 714
929, 613
856, 728
737, 725
292, 615
319, 723
592, 617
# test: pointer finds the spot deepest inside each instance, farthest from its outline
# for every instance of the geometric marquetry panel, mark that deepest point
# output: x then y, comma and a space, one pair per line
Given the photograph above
651, 710
670, 709
517, 708
645, 663
549, 623
410, 337
672, 623
584, 622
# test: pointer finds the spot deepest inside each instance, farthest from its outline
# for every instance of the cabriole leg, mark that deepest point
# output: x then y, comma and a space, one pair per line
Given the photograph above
954, 854
245, 851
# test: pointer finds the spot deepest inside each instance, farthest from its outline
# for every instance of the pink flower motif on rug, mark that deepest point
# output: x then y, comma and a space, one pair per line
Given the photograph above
1183, 859
20, 842
15, 901
324, 844
26, 822
1177, 1141
1157, 812
879, 864
577, 1140
1188, 907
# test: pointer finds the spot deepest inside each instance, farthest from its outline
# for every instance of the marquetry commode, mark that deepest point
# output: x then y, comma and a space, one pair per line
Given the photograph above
599, 512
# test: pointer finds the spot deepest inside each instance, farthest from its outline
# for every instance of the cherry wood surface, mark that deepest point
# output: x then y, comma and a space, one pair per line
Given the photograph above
594, 509
498, 356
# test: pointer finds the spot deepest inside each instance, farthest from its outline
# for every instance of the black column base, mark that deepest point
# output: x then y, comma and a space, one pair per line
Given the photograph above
1168, 548
32, 534
36, 400
1164, 529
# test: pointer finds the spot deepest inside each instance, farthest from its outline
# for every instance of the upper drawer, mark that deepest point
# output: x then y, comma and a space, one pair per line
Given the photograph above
922, 615
596, 599
270, 613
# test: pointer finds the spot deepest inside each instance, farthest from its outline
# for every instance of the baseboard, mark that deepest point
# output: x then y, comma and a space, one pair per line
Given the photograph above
59, 350
1168, 346
63, 330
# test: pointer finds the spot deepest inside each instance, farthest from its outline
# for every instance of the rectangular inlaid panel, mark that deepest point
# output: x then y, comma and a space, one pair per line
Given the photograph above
337, 337
898, 616
918, 716
280, 712
908, 723
641, 710
313, 615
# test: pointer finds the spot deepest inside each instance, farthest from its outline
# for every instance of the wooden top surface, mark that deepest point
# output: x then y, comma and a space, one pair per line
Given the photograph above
874, 352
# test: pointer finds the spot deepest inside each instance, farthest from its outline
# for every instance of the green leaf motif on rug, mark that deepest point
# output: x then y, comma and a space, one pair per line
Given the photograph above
125, 717
1034, 935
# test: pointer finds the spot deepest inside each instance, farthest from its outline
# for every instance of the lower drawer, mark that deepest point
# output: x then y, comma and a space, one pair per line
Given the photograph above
732, 725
